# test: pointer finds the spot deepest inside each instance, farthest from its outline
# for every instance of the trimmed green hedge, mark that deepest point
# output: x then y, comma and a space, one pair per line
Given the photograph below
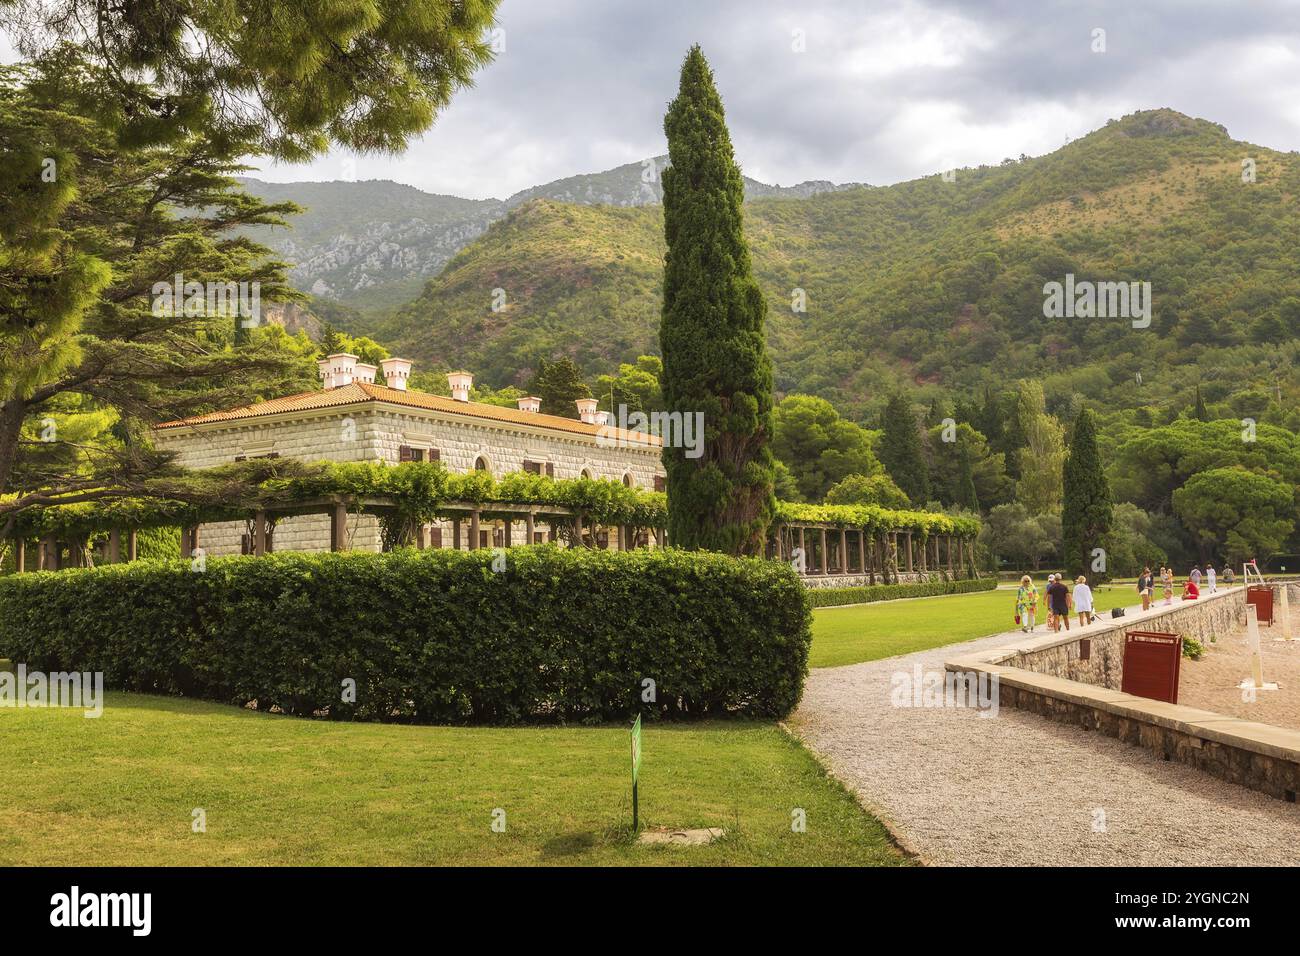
430, 636
833, 597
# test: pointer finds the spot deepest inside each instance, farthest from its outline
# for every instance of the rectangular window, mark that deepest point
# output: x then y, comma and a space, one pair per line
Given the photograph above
533, 467
661, 483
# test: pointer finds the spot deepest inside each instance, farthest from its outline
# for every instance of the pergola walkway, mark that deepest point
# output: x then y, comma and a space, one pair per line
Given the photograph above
1017, 789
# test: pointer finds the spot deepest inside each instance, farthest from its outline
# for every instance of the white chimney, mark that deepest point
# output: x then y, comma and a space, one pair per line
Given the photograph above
460, 383
396, 372
530, 403
338, 369
602, 418
587, 409
364, 372
323, 367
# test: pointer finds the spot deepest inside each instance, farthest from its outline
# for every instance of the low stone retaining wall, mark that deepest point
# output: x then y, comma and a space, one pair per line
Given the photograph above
1047, 676
1061, 655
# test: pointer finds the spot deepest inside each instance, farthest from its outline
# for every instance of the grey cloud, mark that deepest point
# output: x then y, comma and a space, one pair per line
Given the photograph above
882, 92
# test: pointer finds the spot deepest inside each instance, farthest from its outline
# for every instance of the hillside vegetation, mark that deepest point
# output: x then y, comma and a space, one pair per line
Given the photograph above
931, 283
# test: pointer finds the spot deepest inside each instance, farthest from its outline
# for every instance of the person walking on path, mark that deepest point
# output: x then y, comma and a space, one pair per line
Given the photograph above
1167, 580
1209, 574
1083, 601
1058, 602
1146, 585
1196, 576
1026, 604
1228, 576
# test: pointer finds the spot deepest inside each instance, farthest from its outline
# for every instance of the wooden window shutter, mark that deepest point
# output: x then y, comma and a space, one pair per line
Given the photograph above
241, 458
550, 469
661, 483
404, 453
435, 455
533, 467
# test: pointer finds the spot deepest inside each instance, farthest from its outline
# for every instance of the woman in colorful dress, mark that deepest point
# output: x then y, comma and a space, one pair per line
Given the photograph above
1026, 603
1167, 579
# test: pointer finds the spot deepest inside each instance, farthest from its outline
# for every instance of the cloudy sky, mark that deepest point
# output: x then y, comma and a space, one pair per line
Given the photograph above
880, 91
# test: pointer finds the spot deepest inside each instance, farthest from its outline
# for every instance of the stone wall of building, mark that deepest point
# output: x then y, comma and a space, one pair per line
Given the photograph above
376, 434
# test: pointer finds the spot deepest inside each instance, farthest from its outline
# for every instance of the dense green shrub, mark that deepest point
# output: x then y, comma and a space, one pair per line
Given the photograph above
438, 635
832, 597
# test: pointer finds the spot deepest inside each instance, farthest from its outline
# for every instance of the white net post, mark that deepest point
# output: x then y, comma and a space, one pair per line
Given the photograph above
1252, 638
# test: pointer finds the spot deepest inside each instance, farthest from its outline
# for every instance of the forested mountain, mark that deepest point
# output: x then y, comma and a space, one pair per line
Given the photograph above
372, 244
937, 283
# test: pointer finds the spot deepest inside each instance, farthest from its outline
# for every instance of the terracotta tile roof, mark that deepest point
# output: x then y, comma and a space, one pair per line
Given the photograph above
361, 392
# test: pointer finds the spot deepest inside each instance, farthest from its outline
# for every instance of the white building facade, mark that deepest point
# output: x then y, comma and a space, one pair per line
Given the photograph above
354, 419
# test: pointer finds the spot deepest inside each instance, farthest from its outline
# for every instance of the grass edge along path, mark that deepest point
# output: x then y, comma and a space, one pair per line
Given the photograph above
854, 633
277, 790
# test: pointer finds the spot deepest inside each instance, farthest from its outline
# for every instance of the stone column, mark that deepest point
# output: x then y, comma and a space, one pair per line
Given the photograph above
844, 551
803, 549
506, 535
473, 530
339, 527
114, 546
862, 551
131, 542
455, 533
259, 533
577, 532
20, 555
824, 549
530, 527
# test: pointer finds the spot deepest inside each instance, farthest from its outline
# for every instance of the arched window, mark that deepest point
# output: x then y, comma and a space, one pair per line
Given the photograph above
586, 473
480, 464
627, 481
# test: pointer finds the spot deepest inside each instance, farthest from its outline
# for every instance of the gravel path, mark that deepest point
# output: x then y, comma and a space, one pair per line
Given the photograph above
1017, 789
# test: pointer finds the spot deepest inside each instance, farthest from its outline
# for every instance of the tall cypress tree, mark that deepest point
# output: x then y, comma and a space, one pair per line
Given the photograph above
1199, 412
712, 334
1086, 514
967, 497
900, 450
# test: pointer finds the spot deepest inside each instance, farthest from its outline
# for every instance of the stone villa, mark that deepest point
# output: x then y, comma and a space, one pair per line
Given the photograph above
355, 419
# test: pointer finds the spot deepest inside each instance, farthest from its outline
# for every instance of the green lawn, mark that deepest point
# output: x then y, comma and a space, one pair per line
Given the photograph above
280, 790
869, 632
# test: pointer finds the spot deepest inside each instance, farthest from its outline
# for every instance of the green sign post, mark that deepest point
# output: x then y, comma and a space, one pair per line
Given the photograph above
636, 766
